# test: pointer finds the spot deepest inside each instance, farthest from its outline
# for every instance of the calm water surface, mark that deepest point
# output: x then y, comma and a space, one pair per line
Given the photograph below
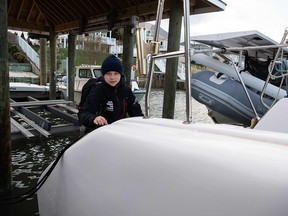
31, 157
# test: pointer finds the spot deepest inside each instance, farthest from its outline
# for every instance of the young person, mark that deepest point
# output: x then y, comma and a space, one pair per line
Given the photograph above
109, 100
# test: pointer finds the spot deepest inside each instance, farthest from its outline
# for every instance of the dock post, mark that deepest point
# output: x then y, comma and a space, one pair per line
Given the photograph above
43, 61
52, 75
5, 126
71, 65
170, 81
128, 46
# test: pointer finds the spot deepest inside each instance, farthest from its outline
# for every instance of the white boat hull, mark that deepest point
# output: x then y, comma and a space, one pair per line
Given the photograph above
163, 167
20, 90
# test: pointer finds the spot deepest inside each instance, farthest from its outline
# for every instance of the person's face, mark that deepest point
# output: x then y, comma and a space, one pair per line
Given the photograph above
112, 78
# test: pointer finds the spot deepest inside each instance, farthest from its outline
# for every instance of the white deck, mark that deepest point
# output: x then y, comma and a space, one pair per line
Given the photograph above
164, 167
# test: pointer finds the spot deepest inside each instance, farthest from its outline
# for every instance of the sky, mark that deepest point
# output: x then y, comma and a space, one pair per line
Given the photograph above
269, 17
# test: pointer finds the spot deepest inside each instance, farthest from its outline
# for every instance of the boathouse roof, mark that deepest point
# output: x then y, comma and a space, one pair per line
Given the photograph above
66, 16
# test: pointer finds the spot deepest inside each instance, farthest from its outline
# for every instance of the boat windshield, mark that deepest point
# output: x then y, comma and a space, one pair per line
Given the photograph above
85, 73
97, 73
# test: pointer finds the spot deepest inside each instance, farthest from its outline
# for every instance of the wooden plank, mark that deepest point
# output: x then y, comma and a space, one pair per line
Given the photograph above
61, 114
20, 128
31, 123
43, 123
14, 129
56, 129
39, 103
72, 109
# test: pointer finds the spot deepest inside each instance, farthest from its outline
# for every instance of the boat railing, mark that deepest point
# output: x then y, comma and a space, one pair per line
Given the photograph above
154, 54
282, 73
257, 118
278, 58
150, 52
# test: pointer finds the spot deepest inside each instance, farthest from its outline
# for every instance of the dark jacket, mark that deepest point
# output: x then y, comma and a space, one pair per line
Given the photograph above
113, 103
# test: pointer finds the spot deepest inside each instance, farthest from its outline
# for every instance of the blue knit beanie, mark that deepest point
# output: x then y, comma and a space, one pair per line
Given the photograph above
112, 63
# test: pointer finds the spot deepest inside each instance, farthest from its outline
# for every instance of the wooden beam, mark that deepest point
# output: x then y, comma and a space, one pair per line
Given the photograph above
64, 115
23, 24
71, 109
43, 123
48, 11
21, 129
40, 13
30, 11
20, 10
92, 5
31, 123
39, 103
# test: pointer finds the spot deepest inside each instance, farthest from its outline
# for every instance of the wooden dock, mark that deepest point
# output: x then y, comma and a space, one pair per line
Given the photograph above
34, 118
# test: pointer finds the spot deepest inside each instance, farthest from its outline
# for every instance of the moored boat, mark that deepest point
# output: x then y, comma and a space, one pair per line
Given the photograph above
154, 166
21, 90
86, 72
226, 99
177, 169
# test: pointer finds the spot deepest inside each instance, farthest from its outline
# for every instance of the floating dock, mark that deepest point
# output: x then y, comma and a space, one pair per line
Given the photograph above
34, 118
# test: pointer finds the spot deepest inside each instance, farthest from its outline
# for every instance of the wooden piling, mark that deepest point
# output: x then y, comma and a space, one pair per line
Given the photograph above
5, 125
128, 47
170, 81
52, 75
71, 65
43, 61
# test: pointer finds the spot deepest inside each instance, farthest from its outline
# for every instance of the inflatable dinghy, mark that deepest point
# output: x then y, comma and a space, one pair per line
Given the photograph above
225, 98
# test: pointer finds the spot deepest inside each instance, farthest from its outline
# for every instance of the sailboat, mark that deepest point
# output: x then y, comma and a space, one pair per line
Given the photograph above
155, 166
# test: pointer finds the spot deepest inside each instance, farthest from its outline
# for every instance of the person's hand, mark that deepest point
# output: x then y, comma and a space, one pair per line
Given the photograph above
100, 120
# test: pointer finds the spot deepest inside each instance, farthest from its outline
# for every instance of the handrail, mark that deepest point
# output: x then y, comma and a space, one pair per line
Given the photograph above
151, 62
30, 52
154, 55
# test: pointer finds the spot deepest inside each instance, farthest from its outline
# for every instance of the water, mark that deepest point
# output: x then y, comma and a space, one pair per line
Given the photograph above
31, 157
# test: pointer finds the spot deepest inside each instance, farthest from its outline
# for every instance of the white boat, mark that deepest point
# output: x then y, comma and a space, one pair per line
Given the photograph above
20, 90
153, 166
86, 72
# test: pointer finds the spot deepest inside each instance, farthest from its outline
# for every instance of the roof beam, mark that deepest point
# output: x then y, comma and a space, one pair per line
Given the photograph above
23, 24
30, 11
19, 10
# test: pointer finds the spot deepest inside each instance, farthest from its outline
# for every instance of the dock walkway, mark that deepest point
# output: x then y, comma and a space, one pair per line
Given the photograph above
33, 118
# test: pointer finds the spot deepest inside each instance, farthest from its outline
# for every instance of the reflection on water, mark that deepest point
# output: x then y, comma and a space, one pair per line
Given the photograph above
31, 157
